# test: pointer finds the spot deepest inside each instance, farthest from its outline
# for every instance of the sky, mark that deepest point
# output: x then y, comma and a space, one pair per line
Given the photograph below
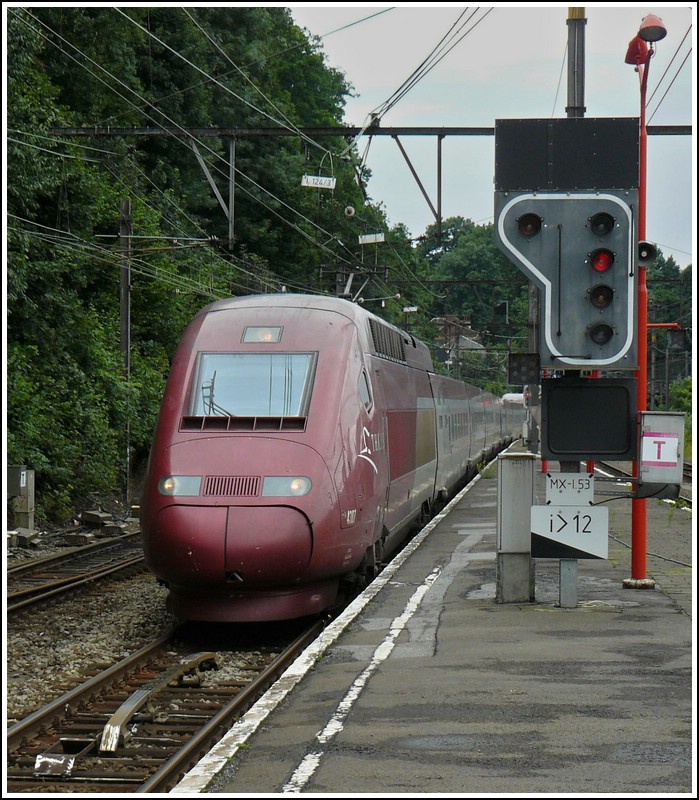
510, 65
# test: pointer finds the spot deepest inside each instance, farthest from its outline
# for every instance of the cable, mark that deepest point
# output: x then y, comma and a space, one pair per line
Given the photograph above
184, 132
648, 553
214, 80
421, 71
375, 116
669, 87
277, 54
52, 152
662, 77
289, 125
560, 79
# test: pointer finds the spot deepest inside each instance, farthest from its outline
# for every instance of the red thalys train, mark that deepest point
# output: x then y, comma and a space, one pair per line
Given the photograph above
299, 440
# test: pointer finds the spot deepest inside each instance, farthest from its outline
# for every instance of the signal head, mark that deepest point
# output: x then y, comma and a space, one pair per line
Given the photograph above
601, 296
601, 260
529, 224
602, 223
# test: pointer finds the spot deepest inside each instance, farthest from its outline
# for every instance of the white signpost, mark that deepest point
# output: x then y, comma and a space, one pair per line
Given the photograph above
569, 525
662, 448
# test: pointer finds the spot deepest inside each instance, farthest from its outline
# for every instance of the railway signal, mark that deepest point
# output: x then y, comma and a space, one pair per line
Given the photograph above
579, 249
566, 214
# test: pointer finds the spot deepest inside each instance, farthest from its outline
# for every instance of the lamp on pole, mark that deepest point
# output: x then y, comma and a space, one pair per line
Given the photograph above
639, 53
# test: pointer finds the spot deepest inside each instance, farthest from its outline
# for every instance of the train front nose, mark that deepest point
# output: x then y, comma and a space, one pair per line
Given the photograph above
249, 520
266, 545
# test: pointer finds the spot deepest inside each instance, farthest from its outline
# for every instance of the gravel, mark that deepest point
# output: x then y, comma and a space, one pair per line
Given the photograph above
51, 650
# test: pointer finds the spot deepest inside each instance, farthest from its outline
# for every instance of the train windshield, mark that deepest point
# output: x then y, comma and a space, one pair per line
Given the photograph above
253, 384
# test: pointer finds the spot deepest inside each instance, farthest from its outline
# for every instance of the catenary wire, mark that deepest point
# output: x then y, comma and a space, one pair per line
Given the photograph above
190, 137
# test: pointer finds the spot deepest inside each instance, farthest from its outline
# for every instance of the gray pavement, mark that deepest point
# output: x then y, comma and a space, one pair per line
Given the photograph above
427, 685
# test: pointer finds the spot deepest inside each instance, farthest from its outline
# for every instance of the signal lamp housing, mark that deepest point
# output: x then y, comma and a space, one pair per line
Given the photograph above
601, 296
529, 224
601, 260
602, 223
601, 333
652, 29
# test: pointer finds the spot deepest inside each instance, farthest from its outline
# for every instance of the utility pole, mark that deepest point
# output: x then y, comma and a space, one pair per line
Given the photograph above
125, 320
125, 284
575, 109
576, 62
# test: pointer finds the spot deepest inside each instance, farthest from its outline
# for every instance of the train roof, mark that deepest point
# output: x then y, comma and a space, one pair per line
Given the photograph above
387, 340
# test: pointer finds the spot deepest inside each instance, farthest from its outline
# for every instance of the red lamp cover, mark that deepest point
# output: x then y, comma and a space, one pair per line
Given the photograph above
637, 51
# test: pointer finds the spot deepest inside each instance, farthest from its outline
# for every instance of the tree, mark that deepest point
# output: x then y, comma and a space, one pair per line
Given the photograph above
72, 411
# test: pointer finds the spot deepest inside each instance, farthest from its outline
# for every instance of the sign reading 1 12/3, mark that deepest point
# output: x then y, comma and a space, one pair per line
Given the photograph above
318, 181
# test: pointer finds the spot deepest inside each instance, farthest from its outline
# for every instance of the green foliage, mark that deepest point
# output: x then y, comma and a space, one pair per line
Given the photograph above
681, 396
73, 412
681, 399
483, 300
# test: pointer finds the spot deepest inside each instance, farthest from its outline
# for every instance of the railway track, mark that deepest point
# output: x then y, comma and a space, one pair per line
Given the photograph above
140, 725
42, 578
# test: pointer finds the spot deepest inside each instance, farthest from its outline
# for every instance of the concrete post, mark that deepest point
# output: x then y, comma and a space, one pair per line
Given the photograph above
514, 568
21, 489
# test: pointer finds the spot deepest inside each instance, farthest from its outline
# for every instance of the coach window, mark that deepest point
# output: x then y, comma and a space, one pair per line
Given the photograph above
365, 391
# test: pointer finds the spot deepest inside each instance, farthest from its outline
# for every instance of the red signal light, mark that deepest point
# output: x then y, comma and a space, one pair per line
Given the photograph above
602, 260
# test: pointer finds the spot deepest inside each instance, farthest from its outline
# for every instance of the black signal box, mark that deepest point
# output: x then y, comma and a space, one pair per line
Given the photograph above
588, 418
566, 155
523, 369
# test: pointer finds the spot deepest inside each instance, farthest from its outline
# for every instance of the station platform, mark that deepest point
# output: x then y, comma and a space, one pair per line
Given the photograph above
427, 685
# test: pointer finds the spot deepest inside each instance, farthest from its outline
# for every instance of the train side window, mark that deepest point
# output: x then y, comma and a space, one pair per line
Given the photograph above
365, 391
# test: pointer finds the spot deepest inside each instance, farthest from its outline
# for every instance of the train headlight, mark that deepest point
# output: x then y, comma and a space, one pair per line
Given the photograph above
180, 485
283, 486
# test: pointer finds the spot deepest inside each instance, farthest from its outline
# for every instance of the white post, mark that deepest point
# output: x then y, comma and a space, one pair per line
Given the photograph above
514, 568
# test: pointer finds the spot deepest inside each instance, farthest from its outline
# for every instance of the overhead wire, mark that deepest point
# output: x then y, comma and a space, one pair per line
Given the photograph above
237, 262
662, 77
118, 177
674, 78
560, 78
187, 137
430, 62
445, 45
288, 124
60, 238
218, 83
67, 240
216, 155
258, 62
418, 73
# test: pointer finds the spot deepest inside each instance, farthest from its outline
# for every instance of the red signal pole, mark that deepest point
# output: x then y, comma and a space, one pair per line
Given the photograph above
639, 53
